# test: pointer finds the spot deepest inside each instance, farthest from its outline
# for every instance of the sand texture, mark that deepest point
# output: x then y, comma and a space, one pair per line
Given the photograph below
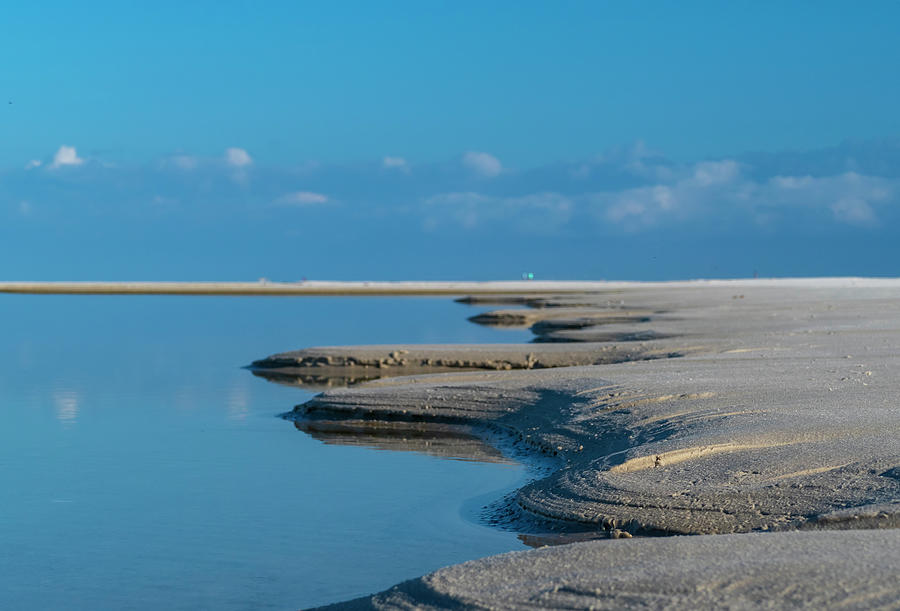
843, 570
367, 362
777, 411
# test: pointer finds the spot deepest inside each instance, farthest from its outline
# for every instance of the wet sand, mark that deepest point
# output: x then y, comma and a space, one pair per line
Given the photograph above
769, 408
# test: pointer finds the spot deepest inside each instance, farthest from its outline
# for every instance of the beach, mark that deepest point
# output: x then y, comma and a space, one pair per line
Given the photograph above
760, 415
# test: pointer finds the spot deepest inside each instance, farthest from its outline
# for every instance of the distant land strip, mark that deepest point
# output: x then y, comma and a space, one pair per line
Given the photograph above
307, 288
410, 288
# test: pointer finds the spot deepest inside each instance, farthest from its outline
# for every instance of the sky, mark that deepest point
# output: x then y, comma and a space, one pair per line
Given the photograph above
357, 140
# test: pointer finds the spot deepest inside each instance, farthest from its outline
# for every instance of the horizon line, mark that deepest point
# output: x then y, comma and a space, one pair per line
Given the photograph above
313, 288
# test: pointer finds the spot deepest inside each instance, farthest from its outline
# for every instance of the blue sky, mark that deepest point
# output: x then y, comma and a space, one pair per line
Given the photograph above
458, 139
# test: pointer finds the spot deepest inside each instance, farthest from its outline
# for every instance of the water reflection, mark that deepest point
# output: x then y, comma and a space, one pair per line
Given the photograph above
441, 440
65, 404
324, 378
319, 379
146, 470
548, 539
451, 441
237, 402
455, 442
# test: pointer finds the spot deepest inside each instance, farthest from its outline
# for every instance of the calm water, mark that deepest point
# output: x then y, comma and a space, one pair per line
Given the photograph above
141, 468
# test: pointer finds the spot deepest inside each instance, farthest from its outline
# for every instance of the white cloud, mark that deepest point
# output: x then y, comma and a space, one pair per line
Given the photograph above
631, 189
691, 192
66, 155
635, 160
184, 162
850, 196
642, 206
237, 157
483, 164
854, 211
536, 212
395, 163
709, 173
302, 198
719, 191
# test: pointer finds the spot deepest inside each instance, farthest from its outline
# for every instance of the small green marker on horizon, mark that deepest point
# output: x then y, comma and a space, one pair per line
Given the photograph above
528, 276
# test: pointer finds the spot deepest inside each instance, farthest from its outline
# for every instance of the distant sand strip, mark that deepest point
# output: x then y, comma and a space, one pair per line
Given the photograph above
264, 288
329, 288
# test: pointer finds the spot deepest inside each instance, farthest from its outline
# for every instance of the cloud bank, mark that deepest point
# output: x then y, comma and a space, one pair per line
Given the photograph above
632, 190
629, 212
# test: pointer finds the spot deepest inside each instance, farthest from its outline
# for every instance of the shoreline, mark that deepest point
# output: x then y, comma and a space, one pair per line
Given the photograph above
780, 419
314, 288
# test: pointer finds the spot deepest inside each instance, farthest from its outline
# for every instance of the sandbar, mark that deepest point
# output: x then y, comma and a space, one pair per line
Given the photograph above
767, 423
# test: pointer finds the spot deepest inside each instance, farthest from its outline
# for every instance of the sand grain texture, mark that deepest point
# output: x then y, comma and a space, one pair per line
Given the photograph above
845, 570
780, 413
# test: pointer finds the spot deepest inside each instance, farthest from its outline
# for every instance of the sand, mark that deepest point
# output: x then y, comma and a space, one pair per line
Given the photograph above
770, 407
318, 365
305, 288
843, 570
325, 288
